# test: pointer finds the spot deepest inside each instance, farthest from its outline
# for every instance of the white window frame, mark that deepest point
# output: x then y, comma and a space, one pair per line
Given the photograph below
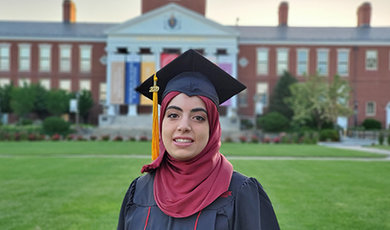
85, 84
24, 81
323, 62
24, 57
5, 56
44, 57
85, 58
302, 63
102, 92
370, 113
262, 61
45, 83
344, 63
65, 84
371, 60
65, 61
4, 82
281, 65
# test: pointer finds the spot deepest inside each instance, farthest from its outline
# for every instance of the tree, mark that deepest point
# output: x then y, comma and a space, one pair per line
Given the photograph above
40, 107
22, 100
5, 98
57, 102
280, 93
318, 101
85, 103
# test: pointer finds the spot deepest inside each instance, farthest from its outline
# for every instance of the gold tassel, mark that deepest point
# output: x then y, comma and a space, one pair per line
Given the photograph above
155, 129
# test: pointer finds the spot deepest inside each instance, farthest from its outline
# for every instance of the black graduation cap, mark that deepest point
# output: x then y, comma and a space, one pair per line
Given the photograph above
193, 74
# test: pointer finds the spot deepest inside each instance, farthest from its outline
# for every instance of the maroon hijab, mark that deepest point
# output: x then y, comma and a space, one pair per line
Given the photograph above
182, 188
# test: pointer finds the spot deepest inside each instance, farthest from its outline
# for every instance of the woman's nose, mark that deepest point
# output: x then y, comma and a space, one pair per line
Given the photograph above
184, 125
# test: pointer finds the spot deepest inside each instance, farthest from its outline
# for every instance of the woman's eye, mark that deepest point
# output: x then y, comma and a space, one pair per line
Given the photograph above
172, 115
199, 118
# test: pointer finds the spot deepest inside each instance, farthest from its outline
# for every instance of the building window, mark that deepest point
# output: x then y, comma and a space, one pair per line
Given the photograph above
102, 93
65, 85
343, 62
24, 57
4, 57
370, 108
85, 58
44, 58
322, 62
243, 98
45, 83
24, 82
4, 82
65, 58
262, 61
282, 61
302, 61
371, 60
85, 85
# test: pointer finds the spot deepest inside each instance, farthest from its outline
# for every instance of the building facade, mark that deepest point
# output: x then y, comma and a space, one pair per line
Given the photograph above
110, 58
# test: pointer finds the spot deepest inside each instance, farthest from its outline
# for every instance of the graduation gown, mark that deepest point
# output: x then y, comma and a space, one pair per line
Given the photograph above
245, 206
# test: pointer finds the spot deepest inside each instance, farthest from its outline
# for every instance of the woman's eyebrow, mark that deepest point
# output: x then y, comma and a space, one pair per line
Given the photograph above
174, 107
199, 110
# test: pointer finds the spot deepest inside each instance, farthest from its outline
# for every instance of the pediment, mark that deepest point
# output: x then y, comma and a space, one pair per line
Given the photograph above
171, 19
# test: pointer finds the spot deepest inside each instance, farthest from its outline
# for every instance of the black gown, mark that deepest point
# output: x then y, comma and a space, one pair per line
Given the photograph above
245, 206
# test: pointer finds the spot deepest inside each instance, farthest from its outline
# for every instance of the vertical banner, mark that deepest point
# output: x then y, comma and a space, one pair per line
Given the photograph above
225, 63
148, 68
117, 80
165, 58
133, 63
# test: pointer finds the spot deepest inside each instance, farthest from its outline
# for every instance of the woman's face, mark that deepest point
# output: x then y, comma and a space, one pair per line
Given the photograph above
185, 127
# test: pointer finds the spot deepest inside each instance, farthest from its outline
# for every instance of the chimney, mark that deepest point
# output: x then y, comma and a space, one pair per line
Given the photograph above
364, 14
283, 14
69, 11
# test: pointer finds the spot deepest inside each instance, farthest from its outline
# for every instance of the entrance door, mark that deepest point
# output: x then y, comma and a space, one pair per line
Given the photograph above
388, 115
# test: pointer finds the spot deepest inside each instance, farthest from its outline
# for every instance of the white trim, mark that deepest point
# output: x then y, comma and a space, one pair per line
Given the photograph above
54, 39
348, 61
310, 43
307, 51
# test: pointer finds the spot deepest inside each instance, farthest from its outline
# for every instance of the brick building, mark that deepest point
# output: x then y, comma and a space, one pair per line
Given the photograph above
109, 58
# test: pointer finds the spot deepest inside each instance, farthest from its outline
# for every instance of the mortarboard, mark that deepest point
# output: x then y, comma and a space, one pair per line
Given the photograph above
191, 74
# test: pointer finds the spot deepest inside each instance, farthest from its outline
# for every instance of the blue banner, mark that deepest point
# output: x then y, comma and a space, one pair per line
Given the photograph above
132, 80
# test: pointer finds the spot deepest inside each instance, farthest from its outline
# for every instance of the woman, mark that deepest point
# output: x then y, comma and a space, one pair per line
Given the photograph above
191, 185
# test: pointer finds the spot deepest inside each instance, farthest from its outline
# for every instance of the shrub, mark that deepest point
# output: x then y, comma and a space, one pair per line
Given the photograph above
70, 137
118, 138
329, 135
267, 140
381, 138
105, 137
243, 139
32, 137
246, 124
254, 139
371, 124
53, 125
388, 138
80, 138
273, 122
276, 140
93, 137
228, 139
55, 137
143, 138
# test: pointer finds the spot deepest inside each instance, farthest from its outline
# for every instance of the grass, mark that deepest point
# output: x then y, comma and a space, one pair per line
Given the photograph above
65, 192
143, 148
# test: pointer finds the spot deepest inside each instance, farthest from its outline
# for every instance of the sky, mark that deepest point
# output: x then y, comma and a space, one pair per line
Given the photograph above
338, 13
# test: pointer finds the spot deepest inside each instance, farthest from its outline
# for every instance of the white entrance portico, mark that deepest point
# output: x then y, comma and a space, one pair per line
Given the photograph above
137, 48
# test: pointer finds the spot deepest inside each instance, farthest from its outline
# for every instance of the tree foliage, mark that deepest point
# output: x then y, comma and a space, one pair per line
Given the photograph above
57, 102
317, 101
280, 93
40, 104
22, 100
5, 98
85, 103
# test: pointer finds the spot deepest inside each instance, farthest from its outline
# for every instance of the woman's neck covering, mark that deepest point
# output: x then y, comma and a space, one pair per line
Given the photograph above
183, 188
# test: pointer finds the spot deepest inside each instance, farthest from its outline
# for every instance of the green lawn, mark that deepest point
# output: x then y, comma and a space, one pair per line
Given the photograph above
143, 148
65, 192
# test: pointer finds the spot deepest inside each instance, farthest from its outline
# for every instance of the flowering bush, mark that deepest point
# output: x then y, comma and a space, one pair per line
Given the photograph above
276, 140
131, 138
70, 137
56, 137
254, 139
80, 138
32, 137
228, 139
118, 138
143, 138
267, 140
105, 137
243, 139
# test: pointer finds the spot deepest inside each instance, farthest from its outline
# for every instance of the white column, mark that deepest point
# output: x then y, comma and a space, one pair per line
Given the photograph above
132, 109
232, 111
157, 54
110, 108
